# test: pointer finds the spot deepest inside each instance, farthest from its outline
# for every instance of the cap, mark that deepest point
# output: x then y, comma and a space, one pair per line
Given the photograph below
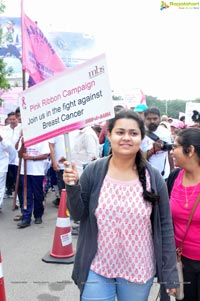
140, 108
10, 22
166, 124
177, 124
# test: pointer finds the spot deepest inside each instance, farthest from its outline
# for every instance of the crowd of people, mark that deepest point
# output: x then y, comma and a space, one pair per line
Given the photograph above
135, 182
28, 173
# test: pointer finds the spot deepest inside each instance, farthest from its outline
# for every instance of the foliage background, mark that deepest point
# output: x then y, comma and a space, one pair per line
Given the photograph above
170, 108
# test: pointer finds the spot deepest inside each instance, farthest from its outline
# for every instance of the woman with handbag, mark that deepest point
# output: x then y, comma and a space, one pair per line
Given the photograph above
126, 233
184, 190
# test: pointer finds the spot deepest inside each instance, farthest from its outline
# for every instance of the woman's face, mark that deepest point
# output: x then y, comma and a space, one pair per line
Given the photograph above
125, 137
178, 155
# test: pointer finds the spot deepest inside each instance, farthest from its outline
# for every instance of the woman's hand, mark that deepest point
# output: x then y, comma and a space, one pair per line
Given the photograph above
25, 156
171, 292
70, 174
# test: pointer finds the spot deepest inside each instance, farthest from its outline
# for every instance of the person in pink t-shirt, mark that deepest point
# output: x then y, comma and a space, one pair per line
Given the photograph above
184, 188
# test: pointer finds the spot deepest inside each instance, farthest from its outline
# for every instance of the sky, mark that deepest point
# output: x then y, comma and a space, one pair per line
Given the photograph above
157, 51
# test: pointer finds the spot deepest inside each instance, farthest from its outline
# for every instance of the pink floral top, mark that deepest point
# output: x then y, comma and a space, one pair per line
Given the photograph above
125, 245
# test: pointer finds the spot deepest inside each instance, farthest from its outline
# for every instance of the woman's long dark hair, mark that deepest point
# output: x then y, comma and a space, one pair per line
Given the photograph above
139, 160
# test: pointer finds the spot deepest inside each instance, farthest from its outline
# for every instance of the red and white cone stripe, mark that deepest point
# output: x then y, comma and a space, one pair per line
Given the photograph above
2, 288
63, 222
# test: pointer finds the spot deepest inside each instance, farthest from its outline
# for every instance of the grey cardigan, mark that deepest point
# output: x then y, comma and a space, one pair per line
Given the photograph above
82, 200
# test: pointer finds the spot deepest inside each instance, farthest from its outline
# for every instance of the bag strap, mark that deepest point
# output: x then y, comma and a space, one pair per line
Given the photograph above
171, 179
163, 171
152, 136
189, 222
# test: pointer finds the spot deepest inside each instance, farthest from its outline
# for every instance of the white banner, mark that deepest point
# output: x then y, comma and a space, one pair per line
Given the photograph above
134, 97
71, 100
190, 107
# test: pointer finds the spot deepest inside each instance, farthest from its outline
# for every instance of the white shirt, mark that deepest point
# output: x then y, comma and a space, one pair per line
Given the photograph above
86, 148
59, 146
7, 152
160, 159
59, 149
36, 168
13, 135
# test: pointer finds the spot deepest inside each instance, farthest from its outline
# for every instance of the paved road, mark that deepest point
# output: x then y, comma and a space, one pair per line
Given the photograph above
26, 276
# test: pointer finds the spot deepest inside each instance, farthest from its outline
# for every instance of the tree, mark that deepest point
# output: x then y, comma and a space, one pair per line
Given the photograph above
4, 70
167, 107
2, 6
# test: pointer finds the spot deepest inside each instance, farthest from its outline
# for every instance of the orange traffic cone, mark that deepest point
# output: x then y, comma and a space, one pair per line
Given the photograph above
2, 288
62, 251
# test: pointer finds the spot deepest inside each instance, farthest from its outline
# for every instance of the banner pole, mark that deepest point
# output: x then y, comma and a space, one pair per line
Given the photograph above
68, 153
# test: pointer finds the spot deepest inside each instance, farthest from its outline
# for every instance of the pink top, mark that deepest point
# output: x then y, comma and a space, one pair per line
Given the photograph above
180, 215
125, 246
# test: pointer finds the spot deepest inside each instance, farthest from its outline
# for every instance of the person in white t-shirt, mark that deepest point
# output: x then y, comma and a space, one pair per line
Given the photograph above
86, 148
7, 152
57, 153
13, 131
157, 151
84, 151
35, 157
